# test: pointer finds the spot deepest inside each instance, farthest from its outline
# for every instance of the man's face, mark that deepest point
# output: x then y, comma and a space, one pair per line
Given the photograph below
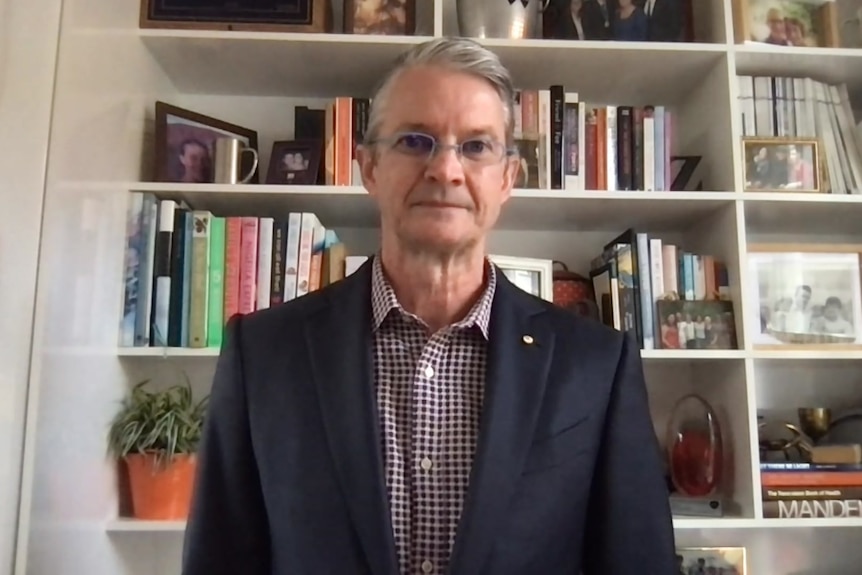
193, 159
802, 297
440, 205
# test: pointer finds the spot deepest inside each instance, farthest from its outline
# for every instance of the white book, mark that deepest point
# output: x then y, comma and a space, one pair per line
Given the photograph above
291, 255
264, 261
649, 151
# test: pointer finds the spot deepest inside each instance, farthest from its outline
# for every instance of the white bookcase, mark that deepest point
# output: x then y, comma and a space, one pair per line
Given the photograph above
109, 74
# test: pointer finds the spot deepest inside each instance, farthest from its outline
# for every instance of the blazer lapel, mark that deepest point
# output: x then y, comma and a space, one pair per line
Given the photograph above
339, 340
521, 346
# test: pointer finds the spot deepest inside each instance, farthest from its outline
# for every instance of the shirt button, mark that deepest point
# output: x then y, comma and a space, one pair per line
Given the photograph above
426, 464
427, 566
429, 372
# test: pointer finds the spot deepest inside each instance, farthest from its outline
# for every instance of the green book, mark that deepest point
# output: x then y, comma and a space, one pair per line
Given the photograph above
215, 314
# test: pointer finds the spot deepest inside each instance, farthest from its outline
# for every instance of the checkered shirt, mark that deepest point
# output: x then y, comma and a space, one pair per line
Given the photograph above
429, 394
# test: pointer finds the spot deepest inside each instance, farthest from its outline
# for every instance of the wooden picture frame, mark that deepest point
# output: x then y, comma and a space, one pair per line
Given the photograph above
184, 144
805, 296
533, 275
282, 171
308, 16
700, 559
780, 164
822, 18
392, 18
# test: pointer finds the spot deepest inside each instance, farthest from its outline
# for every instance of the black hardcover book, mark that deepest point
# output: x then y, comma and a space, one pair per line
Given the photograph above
558, 101
624, 148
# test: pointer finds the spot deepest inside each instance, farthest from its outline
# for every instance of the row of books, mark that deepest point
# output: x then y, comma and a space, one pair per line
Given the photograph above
811, 490
569, 144
564, 143
670, 297
188, 271
788, 107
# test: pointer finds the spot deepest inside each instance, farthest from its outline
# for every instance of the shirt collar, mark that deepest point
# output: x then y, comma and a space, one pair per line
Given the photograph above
383, 299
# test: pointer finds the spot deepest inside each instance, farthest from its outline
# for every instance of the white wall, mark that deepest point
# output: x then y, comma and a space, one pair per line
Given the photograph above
28, 43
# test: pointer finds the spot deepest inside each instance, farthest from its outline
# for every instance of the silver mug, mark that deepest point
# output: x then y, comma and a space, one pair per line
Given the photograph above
227, 163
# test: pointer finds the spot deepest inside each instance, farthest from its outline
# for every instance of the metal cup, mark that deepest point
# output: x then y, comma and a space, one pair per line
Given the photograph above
227, 164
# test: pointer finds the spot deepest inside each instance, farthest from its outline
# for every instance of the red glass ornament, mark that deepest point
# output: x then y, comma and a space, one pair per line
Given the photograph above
694, 447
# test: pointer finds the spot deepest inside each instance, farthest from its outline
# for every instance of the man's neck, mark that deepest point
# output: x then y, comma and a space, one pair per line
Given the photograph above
438, 290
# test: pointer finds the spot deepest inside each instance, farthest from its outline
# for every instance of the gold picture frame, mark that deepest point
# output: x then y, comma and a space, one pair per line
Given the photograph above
782, 164
809, 26
731, 559
805, 296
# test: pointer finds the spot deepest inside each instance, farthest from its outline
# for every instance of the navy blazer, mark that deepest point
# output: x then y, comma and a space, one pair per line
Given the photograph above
567, 477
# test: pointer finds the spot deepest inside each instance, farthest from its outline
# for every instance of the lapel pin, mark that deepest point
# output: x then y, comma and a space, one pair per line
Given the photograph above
528, 339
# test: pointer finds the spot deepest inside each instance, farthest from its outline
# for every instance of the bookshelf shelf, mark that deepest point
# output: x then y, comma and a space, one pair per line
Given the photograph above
653, 72
123, 525
833, 65
682, 523
528, 209
804, 214
272, 63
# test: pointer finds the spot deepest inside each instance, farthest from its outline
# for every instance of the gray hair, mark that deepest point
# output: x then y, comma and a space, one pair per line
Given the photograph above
457, 54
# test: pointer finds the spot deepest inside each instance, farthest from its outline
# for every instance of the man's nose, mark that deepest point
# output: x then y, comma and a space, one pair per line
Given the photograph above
445, 165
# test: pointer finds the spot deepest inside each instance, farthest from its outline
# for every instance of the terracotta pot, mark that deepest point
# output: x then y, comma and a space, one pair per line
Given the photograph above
161, 492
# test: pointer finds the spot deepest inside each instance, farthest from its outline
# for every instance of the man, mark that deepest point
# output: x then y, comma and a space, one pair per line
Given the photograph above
425, 415
195, 161
665, 20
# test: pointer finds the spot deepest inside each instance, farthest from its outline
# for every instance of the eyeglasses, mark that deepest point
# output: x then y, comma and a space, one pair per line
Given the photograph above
480, 151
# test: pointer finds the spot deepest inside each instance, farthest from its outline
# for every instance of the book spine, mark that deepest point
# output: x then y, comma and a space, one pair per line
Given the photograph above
248, 264
232, 235
215, 311
264, 262
279, 244
176, 309
624, 148
557, 102
199, 278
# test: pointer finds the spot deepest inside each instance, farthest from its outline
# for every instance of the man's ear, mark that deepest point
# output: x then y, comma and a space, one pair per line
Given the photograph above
367, 162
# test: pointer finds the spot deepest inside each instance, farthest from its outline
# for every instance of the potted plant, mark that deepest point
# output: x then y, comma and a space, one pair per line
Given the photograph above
156, 435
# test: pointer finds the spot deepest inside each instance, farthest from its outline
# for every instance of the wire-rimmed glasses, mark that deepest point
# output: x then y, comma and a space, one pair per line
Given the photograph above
481, 150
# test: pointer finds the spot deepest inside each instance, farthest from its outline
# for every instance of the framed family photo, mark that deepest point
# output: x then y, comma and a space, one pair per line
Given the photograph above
782, 164
532, 275
294, 162
382, 17
185, 144
696, 324
801, 23
806, 296
707, 560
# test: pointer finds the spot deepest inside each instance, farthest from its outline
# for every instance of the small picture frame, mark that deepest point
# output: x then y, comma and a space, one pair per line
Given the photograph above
792, 23
310, 16
725, 560
781, 164
294, 163
380, 17
533, 275
528, 168
185, 141
695, 324
805, 296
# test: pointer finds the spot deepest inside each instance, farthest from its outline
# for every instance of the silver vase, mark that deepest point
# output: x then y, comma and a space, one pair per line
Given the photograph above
515, 19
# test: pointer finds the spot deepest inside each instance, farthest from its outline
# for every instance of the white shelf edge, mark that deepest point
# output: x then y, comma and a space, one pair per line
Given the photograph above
168, 352
294, 37
683, 354
806, 354
145, 526
129, 525
791, 51
802, 198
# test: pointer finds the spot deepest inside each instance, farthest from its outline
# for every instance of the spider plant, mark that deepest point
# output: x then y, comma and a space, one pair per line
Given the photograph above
161, 424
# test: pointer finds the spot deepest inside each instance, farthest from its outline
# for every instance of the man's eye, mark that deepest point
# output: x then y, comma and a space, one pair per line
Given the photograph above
476, 147
414, 143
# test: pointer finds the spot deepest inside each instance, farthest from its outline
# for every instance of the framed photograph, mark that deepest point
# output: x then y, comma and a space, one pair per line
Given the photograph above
633, 20
532, 275
696, 324
294, 162
383, 17
782, 164
805, 23
261, 15
805, 295
528, 156
184, 144
707, 560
